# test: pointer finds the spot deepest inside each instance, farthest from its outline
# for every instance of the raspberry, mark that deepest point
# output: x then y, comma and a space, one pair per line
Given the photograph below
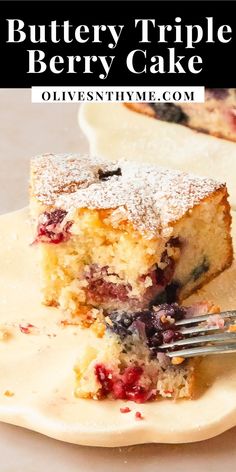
50, 227
104, 376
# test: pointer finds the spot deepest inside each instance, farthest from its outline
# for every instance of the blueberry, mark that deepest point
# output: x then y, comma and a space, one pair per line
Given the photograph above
155, 324
200, 269
168, 295
127, 321
172, 291
169, 112
121, 322
159, 299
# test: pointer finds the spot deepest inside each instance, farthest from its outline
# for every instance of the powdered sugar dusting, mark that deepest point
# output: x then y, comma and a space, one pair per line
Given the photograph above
150, 197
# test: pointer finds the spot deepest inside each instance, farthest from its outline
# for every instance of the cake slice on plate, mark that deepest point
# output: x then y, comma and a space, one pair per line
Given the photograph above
125, 236
217, 116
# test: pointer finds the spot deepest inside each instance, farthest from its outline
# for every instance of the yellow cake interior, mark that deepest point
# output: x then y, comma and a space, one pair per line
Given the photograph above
202, 251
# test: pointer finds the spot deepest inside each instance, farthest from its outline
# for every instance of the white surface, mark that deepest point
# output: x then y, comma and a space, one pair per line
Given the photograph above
23, 450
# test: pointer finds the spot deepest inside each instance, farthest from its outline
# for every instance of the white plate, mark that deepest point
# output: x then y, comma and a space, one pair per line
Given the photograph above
38, 367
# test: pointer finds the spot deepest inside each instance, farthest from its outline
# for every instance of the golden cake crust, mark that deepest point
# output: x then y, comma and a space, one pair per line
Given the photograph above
149, 197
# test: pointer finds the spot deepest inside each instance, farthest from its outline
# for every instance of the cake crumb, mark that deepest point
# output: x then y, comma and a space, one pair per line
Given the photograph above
27, 328
9, 393
139, 416
125, 409
232, 329
216, 321
65, 323
98, 328
177, 360
4, 334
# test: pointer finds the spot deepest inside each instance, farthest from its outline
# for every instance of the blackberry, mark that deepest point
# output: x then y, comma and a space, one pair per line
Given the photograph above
169, 112
145, 316
156, 340
151, 325
173, 310
168, 335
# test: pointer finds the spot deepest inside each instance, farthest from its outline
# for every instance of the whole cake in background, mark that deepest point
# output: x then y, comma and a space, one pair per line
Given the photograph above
125, 236
217, 116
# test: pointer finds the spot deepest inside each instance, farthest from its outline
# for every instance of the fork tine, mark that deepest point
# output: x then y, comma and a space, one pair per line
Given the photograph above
201, 318
202, 351
201, 339
202, 329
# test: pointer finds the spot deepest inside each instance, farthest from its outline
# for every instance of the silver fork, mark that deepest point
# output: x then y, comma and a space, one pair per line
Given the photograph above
196, 338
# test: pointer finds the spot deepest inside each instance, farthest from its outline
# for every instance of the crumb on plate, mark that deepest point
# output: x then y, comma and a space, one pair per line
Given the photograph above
9, 393
139, 416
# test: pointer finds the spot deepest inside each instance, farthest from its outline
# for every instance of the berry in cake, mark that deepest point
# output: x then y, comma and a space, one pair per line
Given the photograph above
51, 228
131, 365
124, 236
216, 116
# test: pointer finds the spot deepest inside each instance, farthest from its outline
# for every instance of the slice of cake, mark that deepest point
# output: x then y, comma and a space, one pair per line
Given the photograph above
119, 235
131, 365
217, 116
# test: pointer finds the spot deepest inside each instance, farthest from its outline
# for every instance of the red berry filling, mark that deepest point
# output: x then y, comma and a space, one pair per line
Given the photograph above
100, 290
123, 387
51, 228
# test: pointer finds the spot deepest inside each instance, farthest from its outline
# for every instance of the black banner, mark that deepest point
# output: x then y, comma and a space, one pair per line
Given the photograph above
112, 43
